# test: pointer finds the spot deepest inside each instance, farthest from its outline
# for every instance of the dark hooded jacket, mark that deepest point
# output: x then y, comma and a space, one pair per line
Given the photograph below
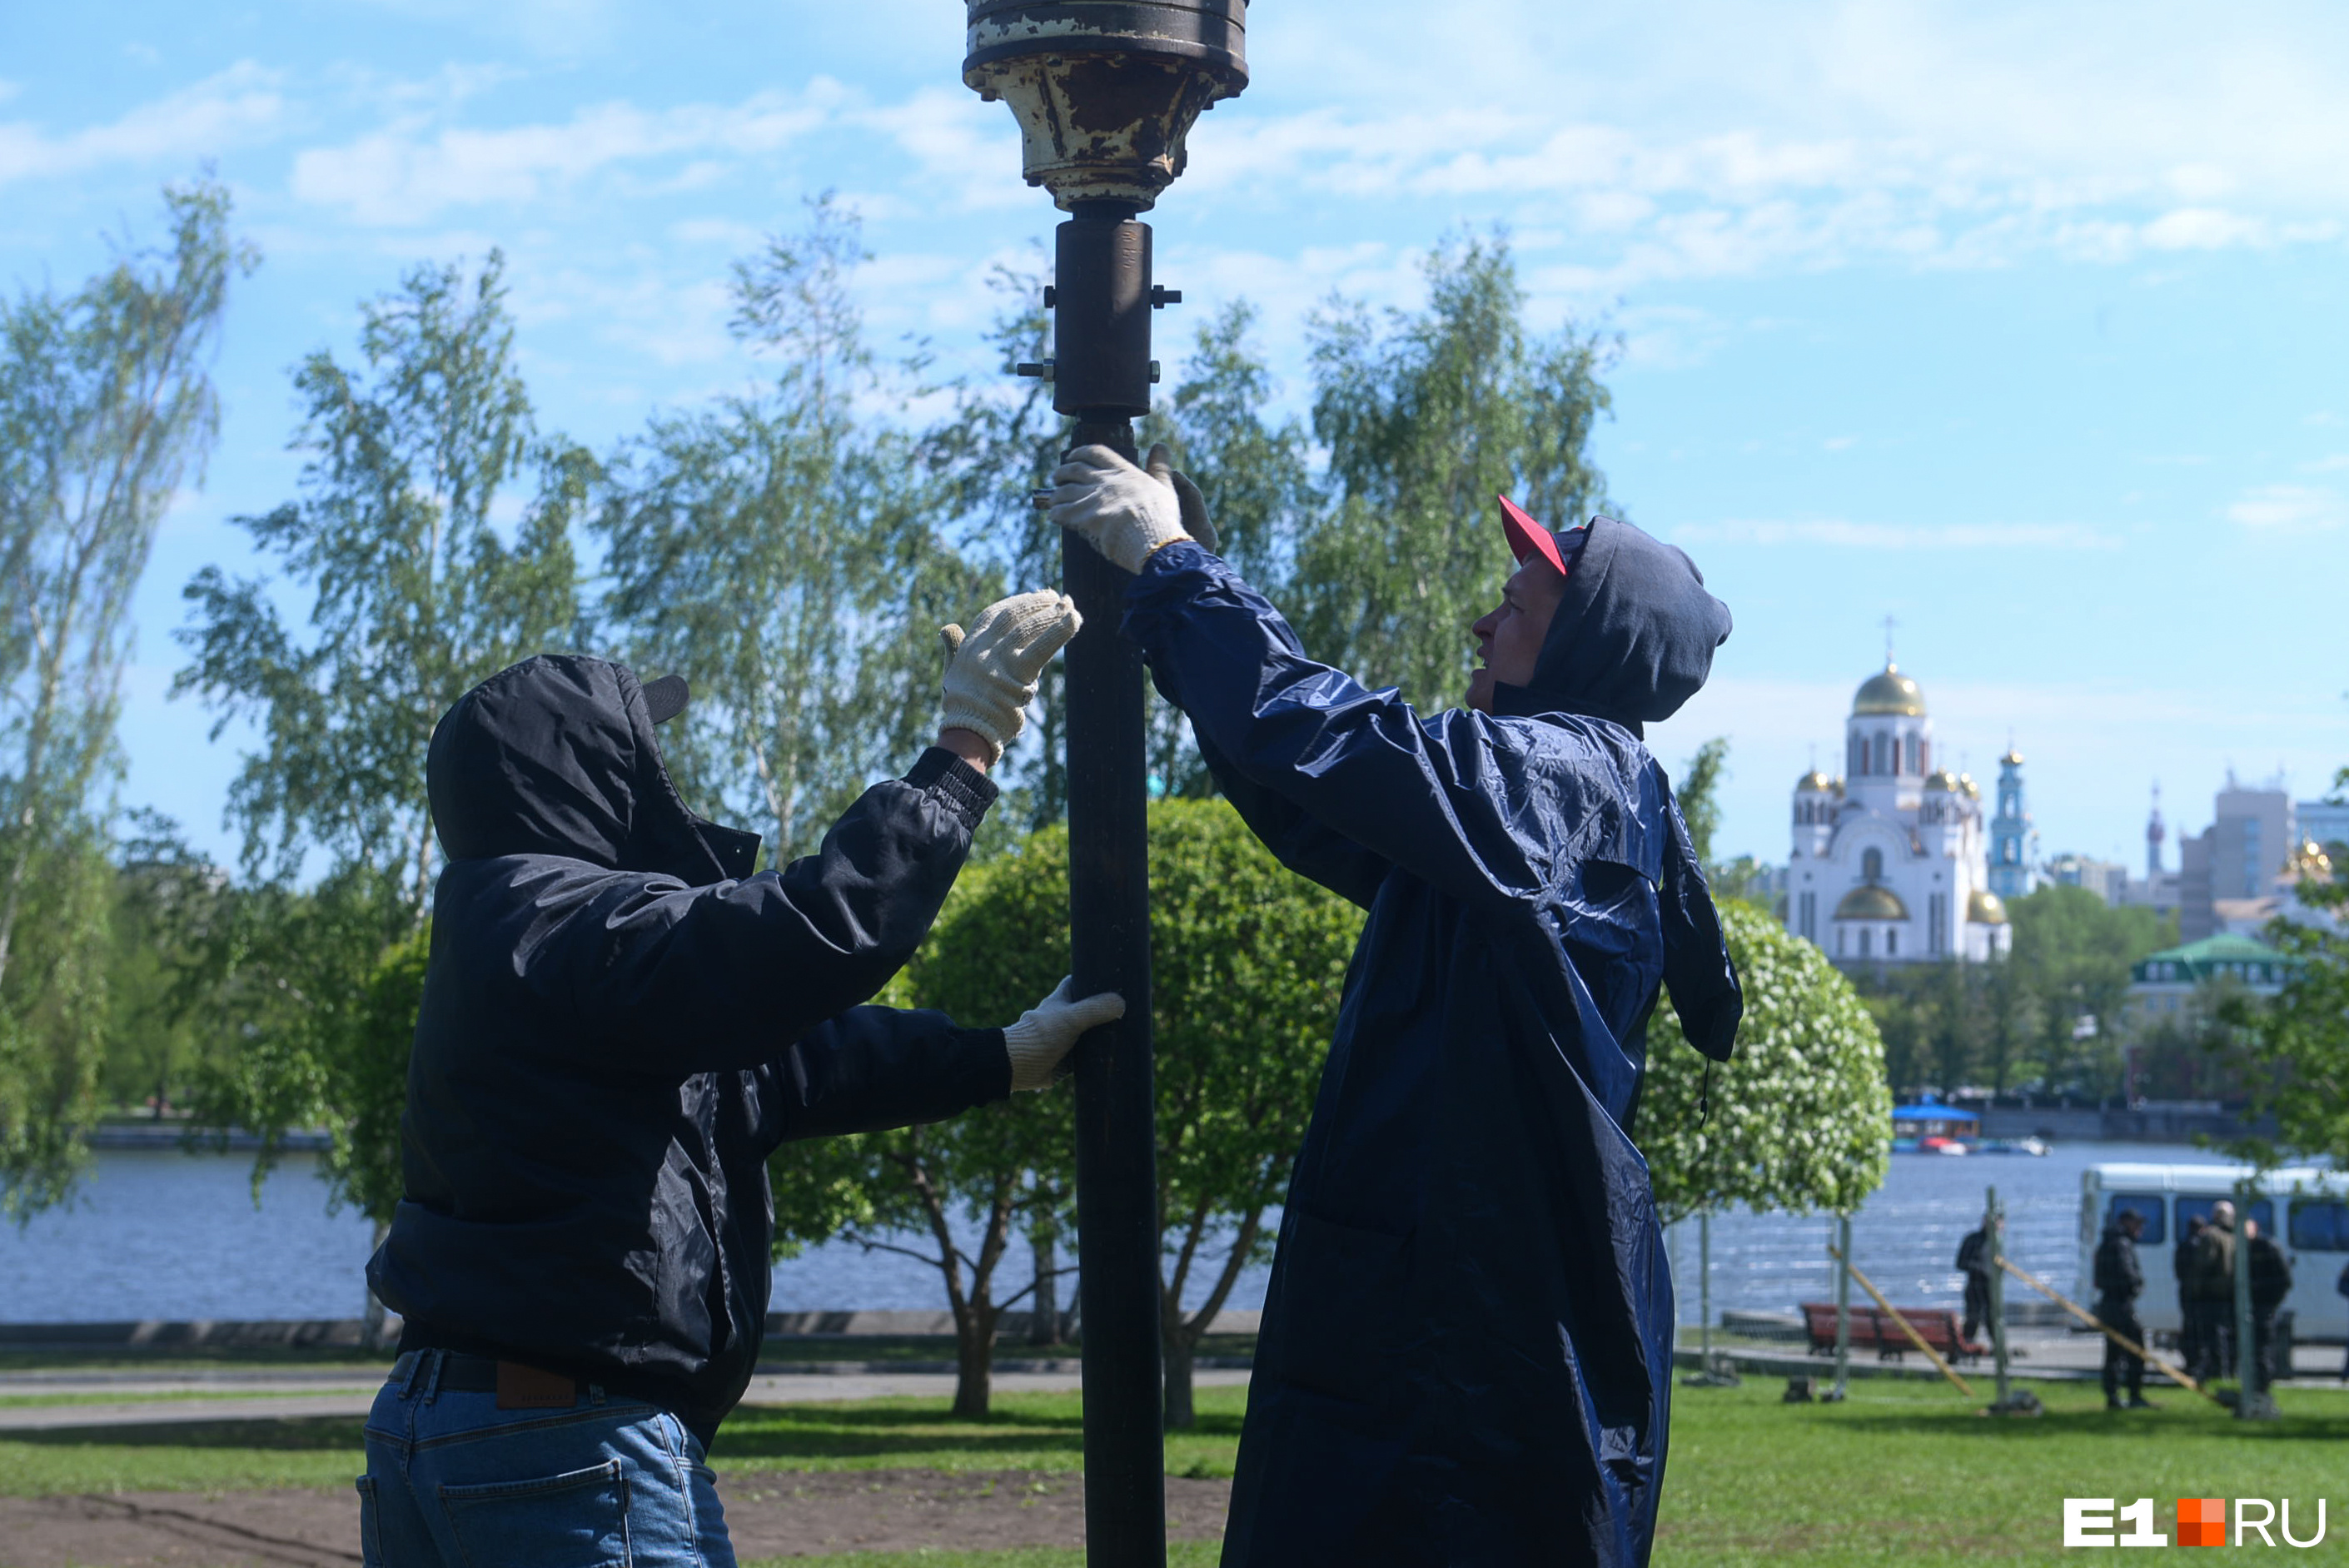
1465, 1354
621, 1022
2120, 1278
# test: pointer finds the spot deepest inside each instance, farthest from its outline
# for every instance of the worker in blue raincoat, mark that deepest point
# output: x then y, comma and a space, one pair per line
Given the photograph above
1465, 1356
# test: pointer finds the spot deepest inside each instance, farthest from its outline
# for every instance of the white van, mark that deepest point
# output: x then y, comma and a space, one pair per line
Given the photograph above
2315, 1234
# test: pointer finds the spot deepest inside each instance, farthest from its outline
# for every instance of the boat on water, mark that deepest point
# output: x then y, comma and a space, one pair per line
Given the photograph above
2032, 1145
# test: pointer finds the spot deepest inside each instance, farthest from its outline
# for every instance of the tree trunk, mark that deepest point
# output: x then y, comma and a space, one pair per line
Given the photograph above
1044, 1306
1180, 1416
974, 1359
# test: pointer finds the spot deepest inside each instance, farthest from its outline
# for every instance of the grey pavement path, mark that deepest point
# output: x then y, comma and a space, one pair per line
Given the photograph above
784, 1388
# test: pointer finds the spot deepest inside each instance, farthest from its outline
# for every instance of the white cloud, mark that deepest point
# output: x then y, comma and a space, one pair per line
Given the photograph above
2333, 463
240, 105
968, 146
406, 174
1900, 535
1710, 143
562, 28
2290, 508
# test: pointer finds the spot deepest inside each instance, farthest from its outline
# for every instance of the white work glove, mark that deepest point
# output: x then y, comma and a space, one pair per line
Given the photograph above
1046, 1032
1125, 512
991, 673
1160, 465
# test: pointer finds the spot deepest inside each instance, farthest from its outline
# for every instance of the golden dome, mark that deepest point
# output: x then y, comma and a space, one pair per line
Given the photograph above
1814, 783
1872, 901
1941, 781
2309, 863
1889, 692
2014, 759
1984, 907
1966, 783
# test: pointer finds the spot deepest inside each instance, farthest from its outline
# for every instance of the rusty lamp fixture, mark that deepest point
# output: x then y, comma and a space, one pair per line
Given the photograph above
1105, 92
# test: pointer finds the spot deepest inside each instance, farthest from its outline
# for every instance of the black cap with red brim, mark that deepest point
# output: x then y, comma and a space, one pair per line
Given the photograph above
1527, 537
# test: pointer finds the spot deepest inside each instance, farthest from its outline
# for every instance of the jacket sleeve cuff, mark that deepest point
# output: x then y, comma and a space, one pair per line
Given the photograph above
998, 1076
956, 782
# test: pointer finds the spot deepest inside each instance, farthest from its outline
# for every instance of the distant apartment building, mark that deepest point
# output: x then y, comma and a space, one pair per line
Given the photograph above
2107, 879
2325, 824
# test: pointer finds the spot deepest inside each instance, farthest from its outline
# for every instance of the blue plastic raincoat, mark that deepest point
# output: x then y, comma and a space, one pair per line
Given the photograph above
1466, 1348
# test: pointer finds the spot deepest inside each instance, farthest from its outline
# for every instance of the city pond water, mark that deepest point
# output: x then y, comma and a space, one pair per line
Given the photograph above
1905, 1237
161, 1233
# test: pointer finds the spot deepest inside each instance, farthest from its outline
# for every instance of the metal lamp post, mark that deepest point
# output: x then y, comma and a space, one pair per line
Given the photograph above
1105, 92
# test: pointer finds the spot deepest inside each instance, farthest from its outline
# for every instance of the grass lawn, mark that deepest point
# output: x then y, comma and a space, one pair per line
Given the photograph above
1903, 1474
168, 1395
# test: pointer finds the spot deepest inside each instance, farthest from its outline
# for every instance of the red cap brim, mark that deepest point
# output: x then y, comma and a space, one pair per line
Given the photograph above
1528, 537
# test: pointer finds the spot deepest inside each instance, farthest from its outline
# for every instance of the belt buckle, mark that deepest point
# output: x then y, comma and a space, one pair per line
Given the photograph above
524, 1387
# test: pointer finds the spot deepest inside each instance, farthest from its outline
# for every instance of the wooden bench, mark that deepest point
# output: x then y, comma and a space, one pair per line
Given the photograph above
1874, 1330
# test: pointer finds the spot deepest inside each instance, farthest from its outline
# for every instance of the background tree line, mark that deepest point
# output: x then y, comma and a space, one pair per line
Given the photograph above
2048, 1018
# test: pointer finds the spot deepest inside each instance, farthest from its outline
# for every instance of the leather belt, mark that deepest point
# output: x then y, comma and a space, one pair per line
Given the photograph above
517, 1385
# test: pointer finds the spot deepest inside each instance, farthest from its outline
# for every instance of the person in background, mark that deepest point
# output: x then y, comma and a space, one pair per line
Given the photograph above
2214, 1285
2119, 1281
2193, 1312
2341, 1287
2271, 1283
1973, 1262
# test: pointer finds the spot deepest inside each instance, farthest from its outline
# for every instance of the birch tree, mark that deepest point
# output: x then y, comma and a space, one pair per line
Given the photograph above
1426, 415
780, 550
106, 413
431, 543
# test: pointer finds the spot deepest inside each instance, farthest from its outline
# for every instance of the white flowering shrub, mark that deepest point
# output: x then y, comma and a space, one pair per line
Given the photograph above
1800, 1118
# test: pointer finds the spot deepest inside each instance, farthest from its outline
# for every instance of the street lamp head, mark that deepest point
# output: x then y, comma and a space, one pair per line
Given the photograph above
1105, 91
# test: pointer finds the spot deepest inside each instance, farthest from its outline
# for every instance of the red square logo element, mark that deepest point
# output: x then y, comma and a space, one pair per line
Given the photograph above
2201, 1522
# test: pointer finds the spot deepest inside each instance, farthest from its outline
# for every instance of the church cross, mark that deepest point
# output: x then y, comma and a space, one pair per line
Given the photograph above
1888, 624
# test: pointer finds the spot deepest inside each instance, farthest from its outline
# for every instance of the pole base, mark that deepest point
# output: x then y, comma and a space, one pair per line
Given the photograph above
2020, 1402
2260, 1407
1719, 1372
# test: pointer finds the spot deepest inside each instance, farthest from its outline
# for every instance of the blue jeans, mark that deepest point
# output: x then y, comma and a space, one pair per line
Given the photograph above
452, 1481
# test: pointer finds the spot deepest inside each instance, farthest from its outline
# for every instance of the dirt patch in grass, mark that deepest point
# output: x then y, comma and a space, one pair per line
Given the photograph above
792, 1513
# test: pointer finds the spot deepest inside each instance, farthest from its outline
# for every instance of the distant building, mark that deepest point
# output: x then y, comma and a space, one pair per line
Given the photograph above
2230, 873
2107, 879
2164, 982
2160, 889
2324, 823
2014, 847
1892, 862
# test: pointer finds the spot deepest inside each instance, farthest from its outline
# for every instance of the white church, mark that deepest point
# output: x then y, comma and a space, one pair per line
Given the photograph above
1892, 862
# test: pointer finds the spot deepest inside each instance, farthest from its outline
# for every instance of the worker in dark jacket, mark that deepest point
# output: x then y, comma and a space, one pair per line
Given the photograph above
2214, 1286
620, 1022
2271, 1283
1973, 1262
1465, 1354
2119, 1281
2193, 1312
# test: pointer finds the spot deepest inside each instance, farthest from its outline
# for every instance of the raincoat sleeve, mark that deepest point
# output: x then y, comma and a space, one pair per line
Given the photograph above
1451, 800
874, 1068
675, 978
1302, 844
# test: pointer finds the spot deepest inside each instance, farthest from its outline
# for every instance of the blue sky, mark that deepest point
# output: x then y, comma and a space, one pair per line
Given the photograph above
2023, 324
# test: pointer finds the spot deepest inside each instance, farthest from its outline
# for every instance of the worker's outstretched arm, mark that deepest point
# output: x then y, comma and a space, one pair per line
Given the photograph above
1453, 800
